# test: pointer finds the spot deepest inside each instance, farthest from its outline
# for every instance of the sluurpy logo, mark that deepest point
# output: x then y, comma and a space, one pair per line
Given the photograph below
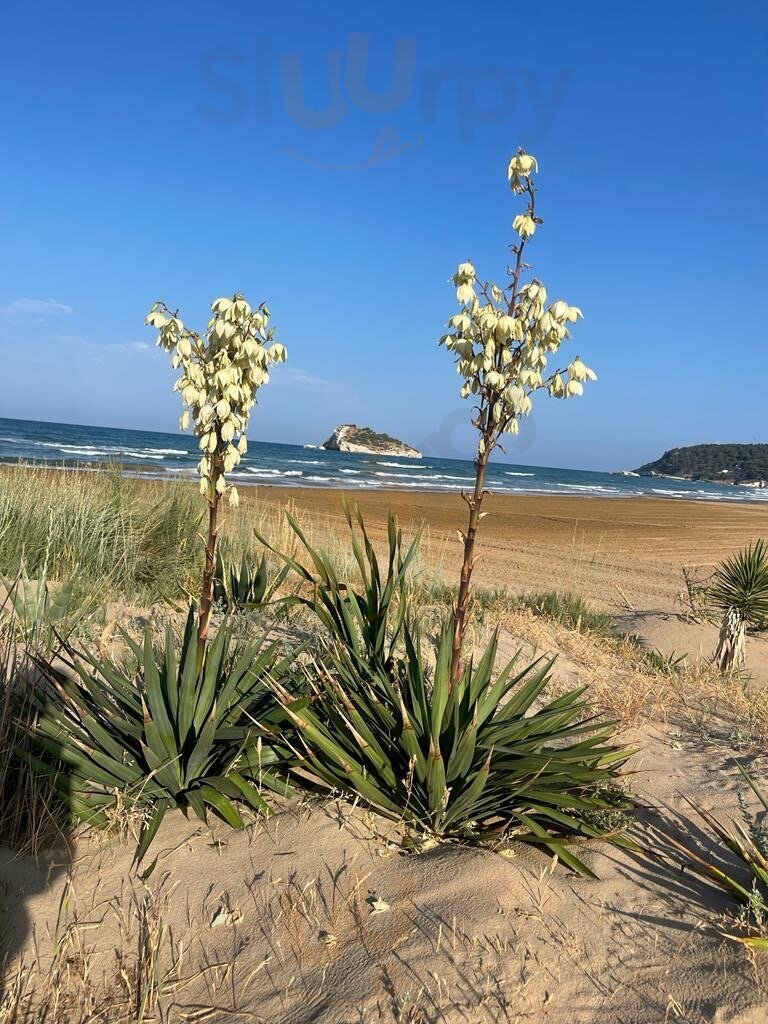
260, 86
452, 438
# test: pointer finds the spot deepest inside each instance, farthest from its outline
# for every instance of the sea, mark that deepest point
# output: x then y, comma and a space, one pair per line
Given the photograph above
144, 453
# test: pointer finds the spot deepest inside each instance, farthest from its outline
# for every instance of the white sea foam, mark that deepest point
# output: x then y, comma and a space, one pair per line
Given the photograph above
401, 465
335, 481
592, 488
506, 473
93, 450
433, 476
259, 471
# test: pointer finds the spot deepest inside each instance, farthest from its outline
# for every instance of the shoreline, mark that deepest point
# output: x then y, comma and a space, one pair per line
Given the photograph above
171, 475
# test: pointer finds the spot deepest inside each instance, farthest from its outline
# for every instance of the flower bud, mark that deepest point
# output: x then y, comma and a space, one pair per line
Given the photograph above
524, 225
465, 273
579, 372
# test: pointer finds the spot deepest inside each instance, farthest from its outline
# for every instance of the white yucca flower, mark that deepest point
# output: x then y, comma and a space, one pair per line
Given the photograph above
506, 340
221, 373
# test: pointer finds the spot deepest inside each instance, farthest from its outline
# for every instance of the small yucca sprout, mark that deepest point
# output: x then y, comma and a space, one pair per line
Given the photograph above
740, 592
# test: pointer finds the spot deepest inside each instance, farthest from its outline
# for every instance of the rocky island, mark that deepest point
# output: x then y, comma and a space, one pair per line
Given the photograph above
745, 464
350, 438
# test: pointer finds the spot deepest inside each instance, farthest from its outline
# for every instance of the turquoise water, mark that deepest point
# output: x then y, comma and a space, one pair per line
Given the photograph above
174, 455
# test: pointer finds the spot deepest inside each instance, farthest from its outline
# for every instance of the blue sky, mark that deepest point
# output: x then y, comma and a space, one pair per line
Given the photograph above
187, 150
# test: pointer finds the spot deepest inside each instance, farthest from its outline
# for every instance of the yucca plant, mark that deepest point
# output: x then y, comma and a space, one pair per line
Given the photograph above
505, 341
740, 592
366, 621
244, 587
36, 612
472, 761
749, 846
168, 735
222, 370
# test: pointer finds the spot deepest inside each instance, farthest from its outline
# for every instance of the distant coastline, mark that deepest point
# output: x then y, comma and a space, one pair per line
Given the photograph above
736, 464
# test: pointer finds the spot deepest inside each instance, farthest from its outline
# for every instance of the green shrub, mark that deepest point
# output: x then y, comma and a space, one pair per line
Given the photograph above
739, 591
38, 614
665, 664
30, 813
172, 734
474, 761
741, 582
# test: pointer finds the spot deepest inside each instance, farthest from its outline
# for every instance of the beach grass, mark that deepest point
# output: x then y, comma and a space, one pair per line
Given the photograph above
137, 540
569, 609
103, 532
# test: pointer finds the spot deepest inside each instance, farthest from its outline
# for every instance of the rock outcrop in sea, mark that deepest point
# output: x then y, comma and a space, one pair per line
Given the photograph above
348, 437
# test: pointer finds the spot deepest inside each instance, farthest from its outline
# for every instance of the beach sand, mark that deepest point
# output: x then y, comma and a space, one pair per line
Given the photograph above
607, 549
625, 556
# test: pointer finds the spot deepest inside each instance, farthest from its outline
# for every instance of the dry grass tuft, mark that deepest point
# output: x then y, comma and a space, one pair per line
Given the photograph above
81, 985
635, 688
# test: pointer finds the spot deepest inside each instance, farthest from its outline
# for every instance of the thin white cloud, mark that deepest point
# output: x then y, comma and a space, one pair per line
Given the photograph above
36, 307
299, 380
77, 340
